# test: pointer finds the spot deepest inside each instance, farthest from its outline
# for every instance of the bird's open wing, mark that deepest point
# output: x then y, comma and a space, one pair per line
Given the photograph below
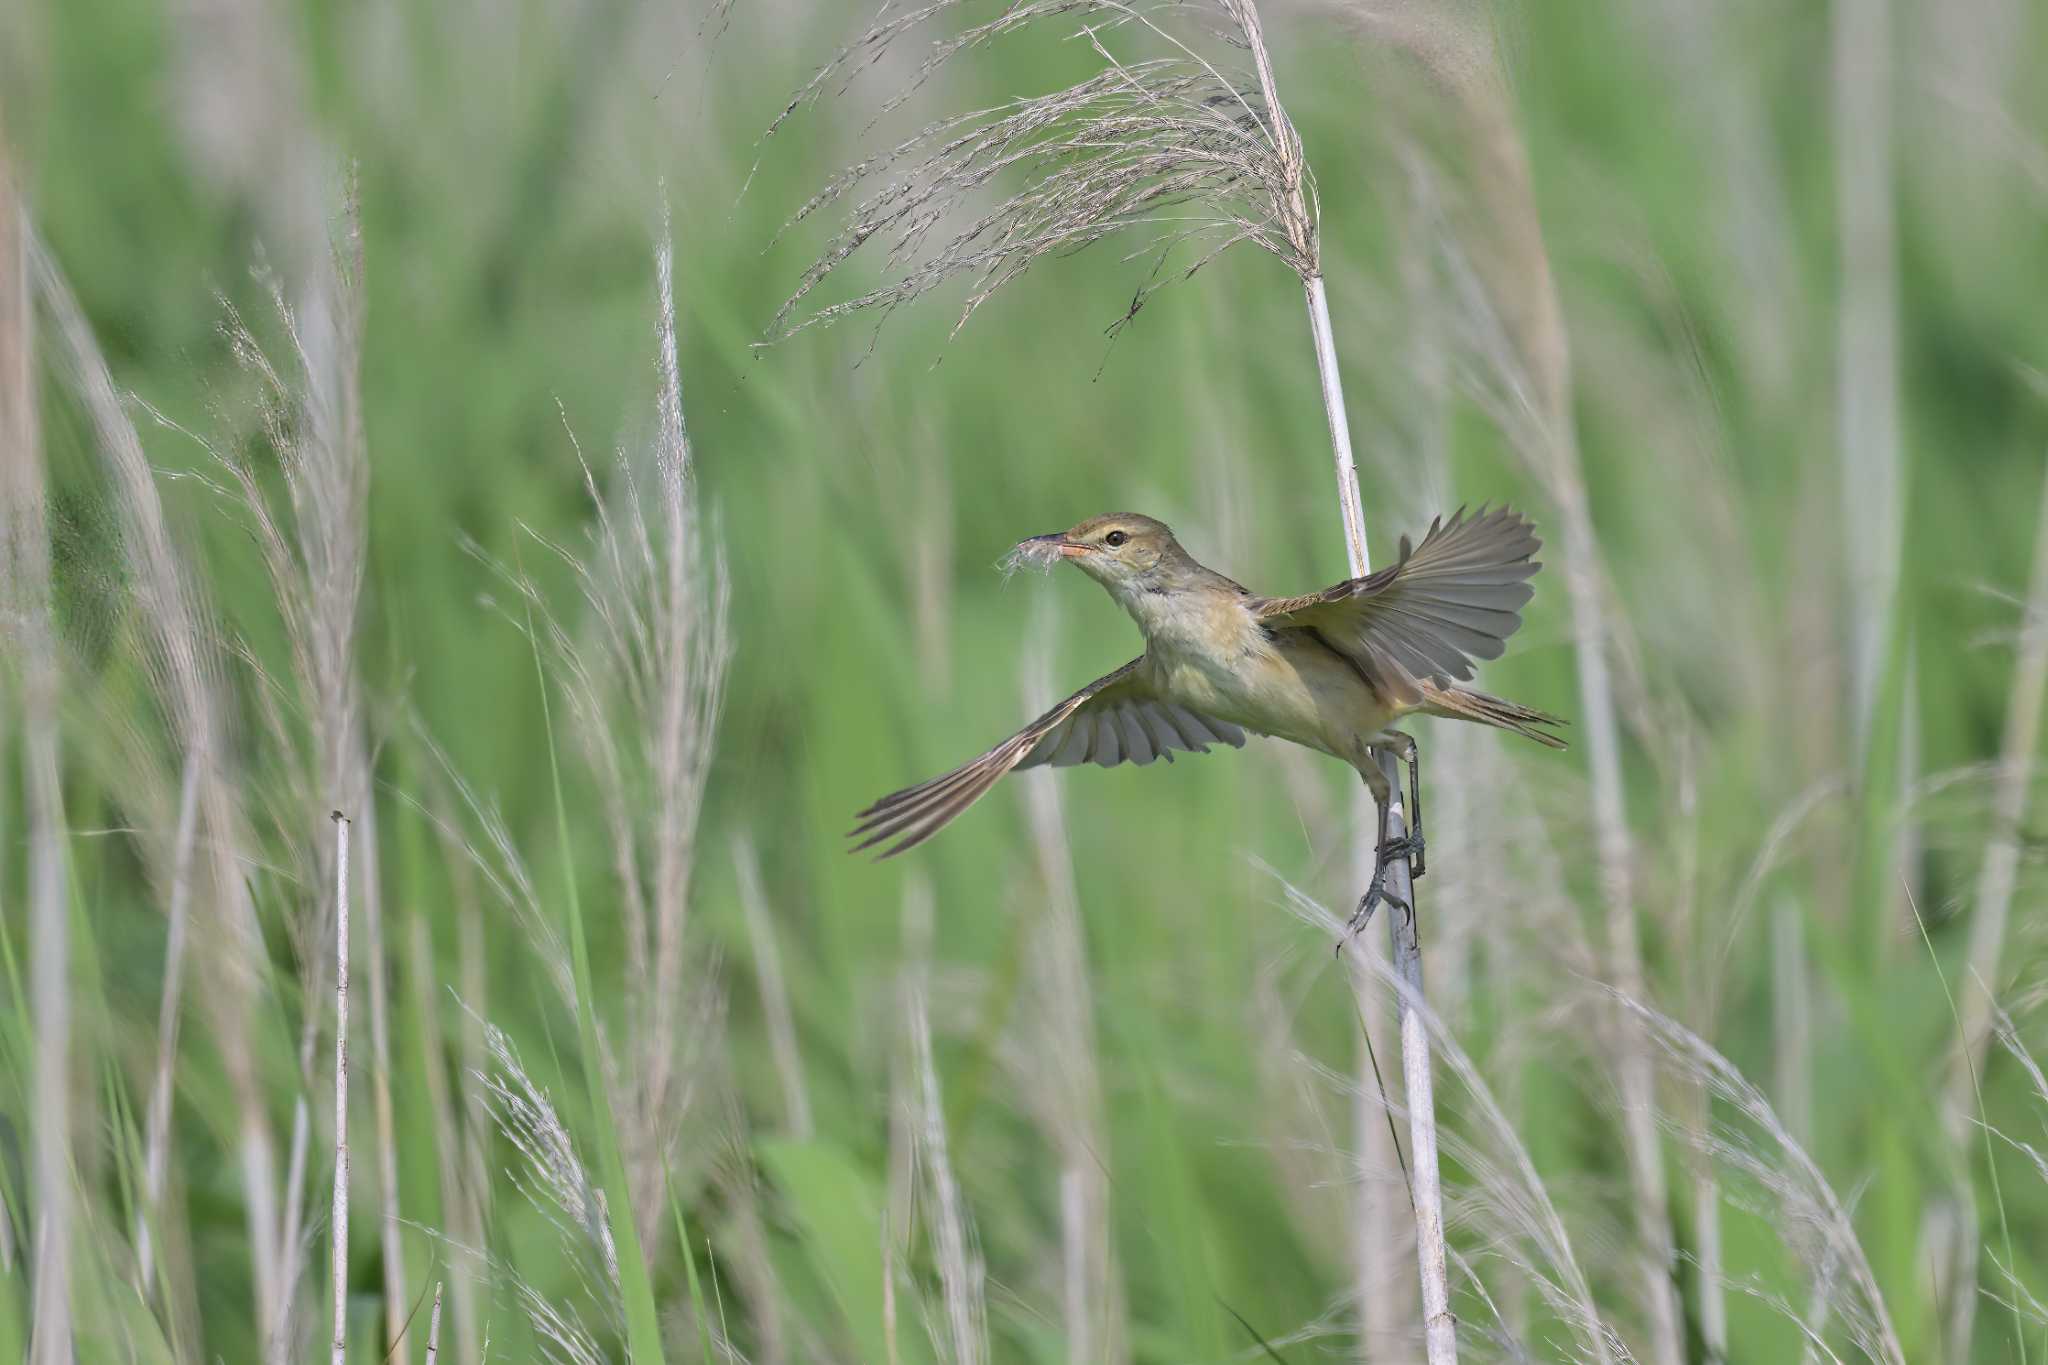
1115, 719
1446, 602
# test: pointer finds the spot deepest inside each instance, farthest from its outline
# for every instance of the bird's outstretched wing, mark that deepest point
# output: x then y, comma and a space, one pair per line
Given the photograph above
1115, 719
1446, 602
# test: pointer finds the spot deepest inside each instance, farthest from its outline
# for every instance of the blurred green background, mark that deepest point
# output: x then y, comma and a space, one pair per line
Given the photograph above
1768, 337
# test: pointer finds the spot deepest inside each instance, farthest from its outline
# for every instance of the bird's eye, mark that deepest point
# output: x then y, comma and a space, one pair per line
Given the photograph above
1114, 539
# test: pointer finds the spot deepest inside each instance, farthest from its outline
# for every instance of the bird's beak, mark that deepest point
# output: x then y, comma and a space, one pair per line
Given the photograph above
1058, 543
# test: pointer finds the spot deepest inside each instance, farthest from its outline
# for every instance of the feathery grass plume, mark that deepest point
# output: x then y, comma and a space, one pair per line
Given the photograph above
554, 1178
309, 412
1169, 143
1764, 1164
1184, 146
648, 661
31, 651
561, 1188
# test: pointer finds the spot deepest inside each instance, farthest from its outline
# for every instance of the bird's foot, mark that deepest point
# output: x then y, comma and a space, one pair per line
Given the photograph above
1408, 846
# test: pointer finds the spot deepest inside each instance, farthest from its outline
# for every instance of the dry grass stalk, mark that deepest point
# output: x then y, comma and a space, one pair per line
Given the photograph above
451, 1136
1998, 874
1867, 339
157, 1122
185, 666
338, 1226
1056, 1062
1702, 999
434, 1327
26, 627
953, 1246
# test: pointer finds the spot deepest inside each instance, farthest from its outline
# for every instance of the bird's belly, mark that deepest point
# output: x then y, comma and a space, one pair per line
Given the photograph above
1307, 695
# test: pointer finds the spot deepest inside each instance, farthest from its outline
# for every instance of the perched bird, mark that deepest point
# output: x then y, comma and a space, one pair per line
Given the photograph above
1334, 670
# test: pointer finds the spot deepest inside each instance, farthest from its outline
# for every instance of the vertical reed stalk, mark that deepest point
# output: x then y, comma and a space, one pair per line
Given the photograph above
390, 1228
434, 1328
25, 617
1348, 505
1439, 1327
1385, 1292
339, 1229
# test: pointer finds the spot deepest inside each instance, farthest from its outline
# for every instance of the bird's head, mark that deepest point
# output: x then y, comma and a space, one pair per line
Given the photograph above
1109, 549
1123, 551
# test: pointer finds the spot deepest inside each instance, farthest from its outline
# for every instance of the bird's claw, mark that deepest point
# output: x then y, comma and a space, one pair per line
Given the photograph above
1408, 846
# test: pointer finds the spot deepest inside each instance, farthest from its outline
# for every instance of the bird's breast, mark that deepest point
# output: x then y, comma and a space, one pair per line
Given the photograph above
1280, 683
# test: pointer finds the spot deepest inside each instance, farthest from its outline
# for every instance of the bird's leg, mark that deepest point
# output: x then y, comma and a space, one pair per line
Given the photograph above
1411, 754
1383, 849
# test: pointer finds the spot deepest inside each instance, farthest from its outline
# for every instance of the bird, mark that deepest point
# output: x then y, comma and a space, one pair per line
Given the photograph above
1333, 671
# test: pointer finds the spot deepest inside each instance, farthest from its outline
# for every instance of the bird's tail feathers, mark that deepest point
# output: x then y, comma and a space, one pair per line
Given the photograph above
1462, 703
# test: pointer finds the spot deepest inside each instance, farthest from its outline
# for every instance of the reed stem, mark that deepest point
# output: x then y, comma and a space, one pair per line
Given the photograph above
1439, 1327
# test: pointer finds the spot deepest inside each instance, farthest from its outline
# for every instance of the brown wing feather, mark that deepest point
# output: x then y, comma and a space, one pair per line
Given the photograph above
1444, 603
1115, 719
